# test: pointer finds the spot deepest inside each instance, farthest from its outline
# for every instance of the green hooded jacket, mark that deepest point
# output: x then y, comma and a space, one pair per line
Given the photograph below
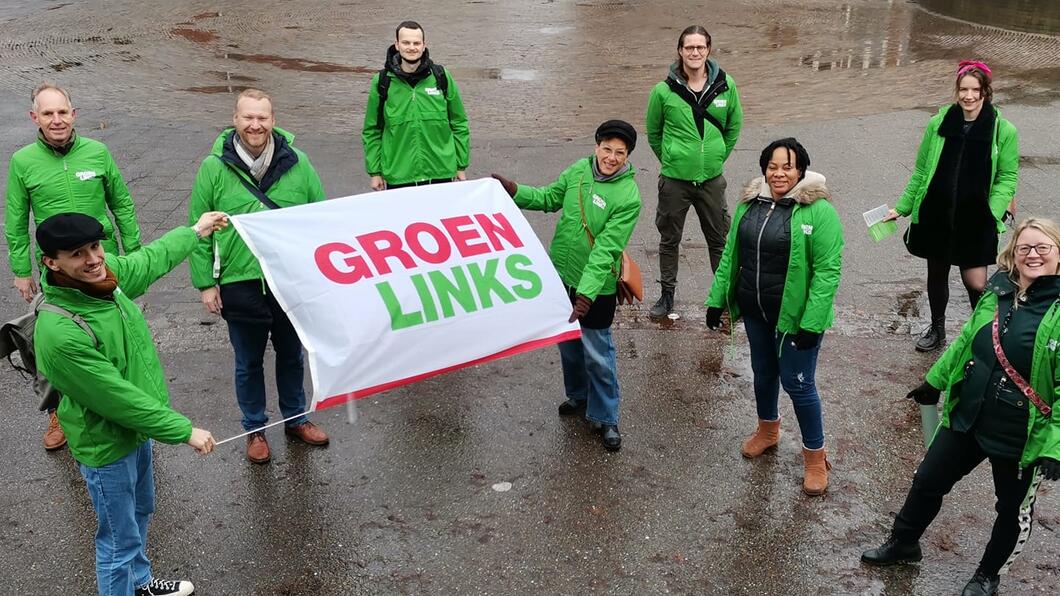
1043, 434
224, 257
814, 264
425, 135
690, 148
85, 180
114, 397
611, 211
1004, 160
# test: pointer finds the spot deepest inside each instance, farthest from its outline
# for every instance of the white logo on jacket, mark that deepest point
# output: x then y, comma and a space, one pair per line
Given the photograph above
86, 175
599, 201
1052, 345
720, 102
432, 91
807, 229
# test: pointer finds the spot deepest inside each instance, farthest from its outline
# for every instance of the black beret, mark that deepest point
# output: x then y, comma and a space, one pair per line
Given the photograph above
618, 128
67, 231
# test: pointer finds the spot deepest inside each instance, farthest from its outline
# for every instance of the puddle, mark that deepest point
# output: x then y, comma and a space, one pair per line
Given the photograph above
194, 35
213, 89
230, 76
299, 63
865, 58
206, 15
502, 74
1018, 15
61, 66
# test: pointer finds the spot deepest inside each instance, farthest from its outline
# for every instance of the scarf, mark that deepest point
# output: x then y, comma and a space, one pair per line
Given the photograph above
99, 289
600, 177
257, 165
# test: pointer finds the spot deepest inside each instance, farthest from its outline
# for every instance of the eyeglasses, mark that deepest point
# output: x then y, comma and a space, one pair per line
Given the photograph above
695, 49
1042, 249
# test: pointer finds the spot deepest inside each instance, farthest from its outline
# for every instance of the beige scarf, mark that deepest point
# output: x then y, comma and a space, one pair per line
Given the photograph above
257, 165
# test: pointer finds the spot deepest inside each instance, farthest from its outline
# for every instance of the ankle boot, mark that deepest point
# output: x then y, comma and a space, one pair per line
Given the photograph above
935, 336
766, 436
665, 304
815, 479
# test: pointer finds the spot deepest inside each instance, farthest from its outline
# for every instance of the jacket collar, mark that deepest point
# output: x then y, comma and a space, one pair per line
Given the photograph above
283, 157
807, 191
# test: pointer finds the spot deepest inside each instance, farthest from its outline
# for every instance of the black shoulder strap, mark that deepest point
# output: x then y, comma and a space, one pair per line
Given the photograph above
699, 110
441, 80
383, 88
254, 190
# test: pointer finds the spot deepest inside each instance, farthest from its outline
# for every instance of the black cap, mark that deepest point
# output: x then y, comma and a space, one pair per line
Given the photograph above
618, 128
67, 231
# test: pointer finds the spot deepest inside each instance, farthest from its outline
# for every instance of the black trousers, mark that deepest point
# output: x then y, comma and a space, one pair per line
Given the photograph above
952, 456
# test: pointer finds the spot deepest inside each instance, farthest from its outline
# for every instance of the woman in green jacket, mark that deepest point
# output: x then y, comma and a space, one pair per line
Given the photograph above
780, 271
1000, 378
963, 185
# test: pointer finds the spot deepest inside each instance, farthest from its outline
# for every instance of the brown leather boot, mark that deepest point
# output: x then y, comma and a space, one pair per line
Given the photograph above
308, 433
815, 480
54, 437
766, 436
258, 448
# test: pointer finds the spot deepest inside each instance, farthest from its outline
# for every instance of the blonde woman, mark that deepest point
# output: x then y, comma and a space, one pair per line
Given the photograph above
999, 377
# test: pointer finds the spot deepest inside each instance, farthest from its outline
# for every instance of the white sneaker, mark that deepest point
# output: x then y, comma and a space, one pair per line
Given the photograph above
162, 587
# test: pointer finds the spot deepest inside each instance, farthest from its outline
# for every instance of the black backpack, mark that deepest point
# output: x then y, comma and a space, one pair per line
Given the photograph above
383, 87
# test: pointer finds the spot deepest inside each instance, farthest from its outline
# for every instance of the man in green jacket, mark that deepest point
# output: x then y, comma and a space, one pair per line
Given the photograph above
693, 121
60, 172
254, 167
114, 391
599, 203
415, 129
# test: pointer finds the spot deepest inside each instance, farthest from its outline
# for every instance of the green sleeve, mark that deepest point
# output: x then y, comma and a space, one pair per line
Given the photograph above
653, 122
83, 374
545, 198
938, 376
458, 124
1006, 177
826, 253
608, 246
137, 271
372, 133
719, 288
16, 223
202, 200
734, 123
120, 204
920, 172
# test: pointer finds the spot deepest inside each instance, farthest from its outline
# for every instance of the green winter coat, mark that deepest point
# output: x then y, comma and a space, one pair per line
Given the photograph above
85, 180
1043, 434
218, 188
814, 264
1004, 160
674, 137
611, 211
115, 396
424, 137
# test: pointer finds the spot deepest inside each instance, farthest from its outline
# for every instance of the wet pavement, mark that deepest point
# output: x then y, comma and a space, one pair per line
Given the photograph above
410, 499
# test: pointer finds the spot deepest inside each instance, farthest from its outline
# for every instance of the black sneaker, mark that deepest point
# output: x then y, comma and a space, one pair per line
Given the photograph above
571, 407
611, 438
892, 552
162, 587
981, 584
932, 339
664, 306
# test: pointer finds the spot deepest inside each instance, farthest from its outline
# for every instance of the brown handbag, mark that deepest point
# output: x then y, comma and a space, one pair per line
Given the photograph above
630, 283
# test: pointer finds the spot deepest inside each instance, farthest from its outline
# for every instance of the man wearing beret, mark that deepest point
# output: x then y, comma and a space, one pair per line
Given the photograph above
114, 392
599, 204
62, 171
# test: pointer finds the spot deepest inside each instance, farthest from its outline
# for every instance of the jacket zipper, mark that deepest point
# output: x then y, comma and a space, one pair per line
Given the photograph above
758, 262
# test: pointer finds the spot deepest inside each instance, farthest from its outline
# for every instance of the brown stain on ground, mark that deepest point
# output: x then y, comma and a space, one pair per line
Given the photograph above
299, 63
206, 15
194, 35
227, 76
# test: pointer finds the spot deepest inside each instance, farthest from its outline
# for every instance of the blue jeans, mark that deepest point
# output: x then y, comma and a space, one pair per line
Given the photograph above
123, 495
590, 373
777, 365
248, 342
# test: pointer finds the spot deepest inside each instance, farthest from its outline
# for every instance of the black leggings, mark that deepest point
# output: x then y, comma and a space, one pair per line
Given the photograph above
938, 286
952, 456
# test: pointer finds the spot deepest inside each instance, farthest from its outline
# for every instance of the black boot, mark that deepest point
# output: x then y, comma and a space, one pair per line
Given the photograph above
611, 438
665, 305
934, 338
892, 552
981, 584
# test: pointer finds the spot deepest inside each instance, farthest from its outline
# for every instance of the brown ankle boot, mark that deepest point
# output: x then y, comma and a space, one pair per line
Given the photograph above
54, 437
815, 480
764, 437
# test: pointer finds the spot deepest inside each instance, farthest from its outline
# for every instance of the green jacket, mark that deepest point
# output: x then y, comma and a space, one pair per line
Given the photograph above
85, 180
611, 211
690, 148
1004, 160
424, 137
1043, 434
291, 180
115, 397
814, 264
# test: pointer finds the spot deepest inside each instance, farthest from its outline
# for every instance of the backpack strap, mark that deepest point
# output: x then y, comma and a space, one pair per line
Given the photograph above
383, 88
76, 318
440, 79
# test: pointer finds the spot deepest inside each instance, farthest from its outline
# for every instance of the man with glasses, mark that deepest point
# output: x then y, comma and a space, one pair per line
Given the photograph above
694, 119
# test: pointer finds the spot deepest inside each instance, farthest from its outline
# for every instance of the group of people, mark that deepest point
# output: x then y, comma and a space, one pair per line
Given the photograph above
777, 265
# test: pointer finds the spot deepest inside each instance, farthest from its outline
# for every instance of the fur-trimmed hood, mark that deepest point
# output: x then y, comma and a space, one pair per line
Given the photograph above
808, 190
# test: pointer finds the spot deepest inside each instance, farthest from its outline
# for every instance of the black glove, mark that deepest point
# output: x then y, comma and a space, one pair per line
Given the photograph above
581, 306
1050, 468
804, 340
714, 318
510, 187
925, 394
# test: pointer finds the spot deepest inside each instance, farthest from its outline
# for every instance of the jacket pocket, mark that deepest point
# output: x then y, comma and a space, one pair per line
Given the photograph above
245, 302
